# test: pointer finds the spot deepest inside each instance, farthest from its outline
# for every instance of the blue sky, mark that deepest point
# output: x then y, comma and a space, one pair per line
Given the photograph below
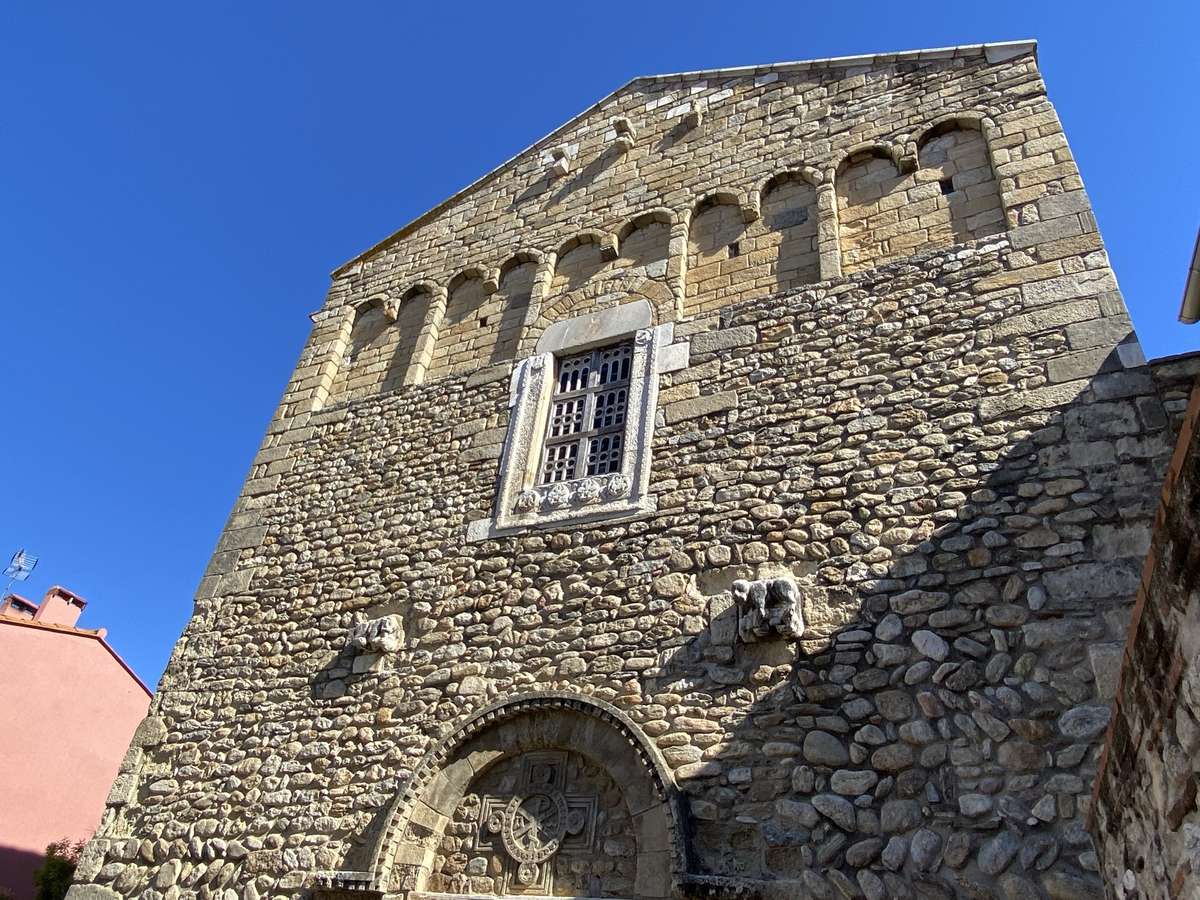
177, 181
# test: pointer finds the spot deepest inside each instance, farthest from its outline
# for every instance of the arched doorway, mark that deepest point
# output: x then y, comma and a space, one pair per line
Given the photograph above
545, 794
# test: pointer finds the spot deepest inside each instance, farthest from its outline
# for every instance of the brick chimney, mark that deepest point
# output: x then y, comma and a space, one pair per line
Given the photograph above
60, 607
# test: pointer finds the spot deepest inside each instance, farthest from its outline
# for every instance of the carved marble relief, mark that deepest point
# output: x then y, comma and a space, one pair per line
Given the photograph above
768, 608
543, 823
382, 635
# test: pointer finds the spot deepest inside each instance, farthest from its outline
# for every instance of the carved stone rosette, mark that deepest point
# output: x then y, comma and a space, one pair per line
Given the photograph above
572, 494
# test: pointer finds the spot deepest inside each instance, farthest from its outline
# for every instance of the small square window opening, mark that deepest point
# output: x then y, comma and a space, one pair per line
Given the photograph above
734, 250
947, 186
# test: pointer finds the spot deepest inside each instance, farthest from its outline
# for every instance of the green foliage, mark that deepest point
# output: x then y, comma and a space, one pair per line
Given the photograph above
53, 877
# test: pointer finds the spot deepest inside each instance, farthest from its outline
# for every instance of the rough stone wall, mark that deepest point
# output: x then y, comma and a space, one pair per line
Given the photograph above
952, 455
1145, 818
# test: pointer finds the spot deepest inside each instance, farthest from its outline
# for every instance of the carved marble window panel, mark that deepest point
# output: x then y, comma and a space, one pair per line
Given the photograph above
581, 424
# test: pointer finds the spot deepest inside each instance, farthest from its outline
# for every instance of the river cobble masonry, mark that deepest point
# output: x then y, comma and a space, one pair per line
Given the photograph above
741, 493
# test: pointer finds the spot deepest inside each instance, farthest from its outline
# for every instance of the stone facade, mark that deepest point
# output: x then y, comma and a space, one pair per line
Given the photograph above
1146, 818
855, 639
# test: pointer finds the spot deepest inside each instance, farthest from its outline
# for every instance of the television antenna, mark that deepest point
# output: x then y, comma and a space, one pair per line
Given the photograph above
19, 568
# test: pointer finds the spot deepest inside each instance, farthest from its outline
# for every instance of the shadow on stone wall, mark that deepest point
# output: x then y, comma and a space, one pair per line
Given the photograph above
935, 734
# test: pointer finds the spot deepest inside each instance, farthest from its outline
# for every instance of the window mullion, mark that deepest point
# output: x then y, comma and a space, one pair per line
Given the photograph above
589, 412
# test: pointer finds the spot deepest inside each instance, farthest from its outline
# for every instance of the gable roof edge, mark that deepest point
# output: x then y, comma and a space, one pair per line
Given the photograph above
96, 634
994, 52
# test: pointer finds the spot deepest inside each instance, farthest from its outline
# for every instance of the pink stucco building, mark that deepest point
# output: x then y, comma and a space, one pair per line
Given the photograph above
68, 706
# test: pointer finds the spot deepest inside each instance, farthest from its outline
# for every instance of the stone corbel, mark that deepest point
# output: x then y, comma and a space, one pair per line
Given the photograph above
561, 164
693, 117
491, 282
608, 247
906, 156
768, 608
626, 134
752, 208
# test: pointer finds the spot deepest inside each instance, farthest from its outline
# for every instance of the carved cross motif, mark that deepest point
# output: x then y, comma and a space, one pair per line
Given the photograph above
537, 822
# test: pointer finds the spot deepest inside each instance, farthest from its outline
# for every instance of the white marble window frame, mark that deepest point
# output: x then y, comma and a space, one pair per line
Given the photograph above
521, 503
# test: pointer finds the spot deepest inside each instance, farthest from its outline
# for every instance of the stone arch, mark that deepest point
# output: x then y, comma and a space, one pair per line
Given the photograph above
876, 202
403, 856
969, 120
605, 243
644, 245
470, 325
716, 227
516, 281
785, 251
581, 258
894, 199
417, 305
956, 152
364, 367
590, 274
896, 151
602, 293
521, 257
661, 215
807, 174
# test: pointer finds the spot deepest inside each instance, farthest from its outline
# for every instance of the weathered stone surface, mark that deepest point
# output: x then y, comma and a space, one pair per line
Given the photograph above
863, 853
997, 852
1085, 583
91, 892
1083, 723
1015, 887
933, 434
715, 341
931, 645
1066, 886
1145, 817
853, 782
838, 809
151, 732
924, 847
822, 748
705, 405
900, 816
892, 758
896, 706
1021, 756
